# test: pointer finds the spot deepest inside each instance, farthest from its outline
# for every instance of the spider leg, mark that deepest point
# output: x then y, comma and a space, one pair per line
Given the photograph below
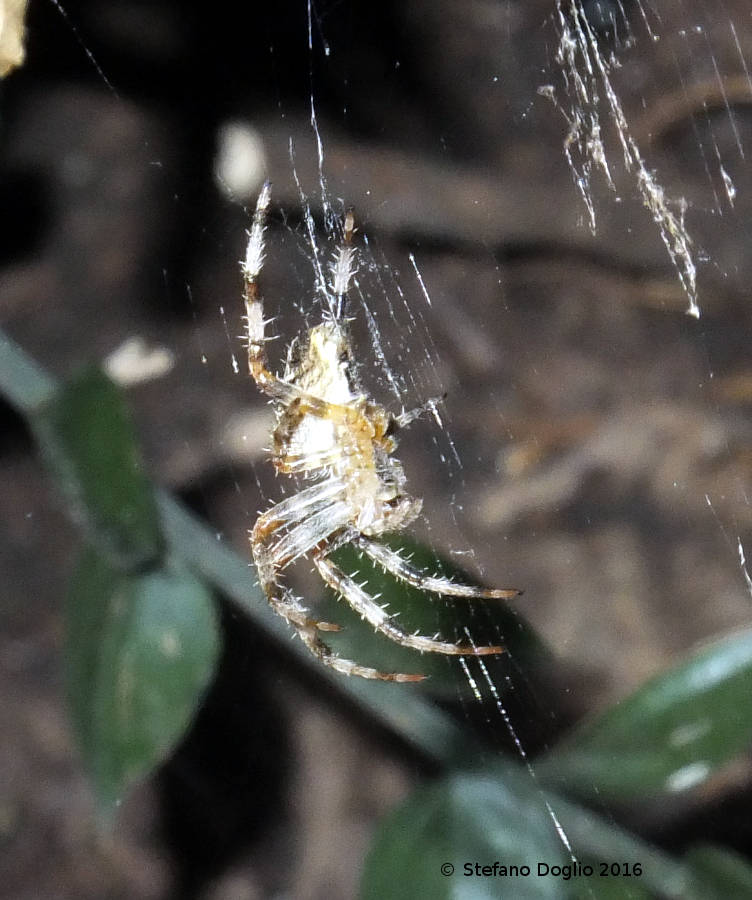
370, 610
291, 463
392, 562
291, 610
271, 557
297, 507
255, 324
306, 534
347, 666
343, 266
405, 418
287, 605
294, 526
254, 310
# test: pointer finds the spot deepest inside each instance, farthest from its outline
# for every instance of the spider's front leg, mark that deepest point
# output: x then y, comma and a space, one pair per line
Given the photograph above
254, 310
255, 325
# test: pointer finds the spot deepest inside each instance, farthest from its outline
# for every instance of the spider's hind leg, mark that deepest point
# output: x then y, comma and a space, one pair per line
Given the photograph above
392, 562
348, 667
292, 611
369, 609
290, 608
270, 560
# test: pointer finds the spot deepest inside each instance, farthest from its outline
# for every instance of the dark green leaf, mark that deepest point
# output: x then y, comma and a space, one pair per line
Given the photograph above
141, 651
608, 888
483, 818
92, 591
87, 439
668, 736
488, 622
720, 872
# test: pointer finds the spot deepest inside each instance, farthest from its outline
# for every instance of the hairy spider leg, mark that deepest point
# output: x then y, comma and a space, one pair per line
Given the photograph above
267, 381
281, 599
304, 403
284, 602
296, 507
343, 266
392, 562
255, 324
288, 530
375, 615
342, 270
405, 418
305, 463
251, 267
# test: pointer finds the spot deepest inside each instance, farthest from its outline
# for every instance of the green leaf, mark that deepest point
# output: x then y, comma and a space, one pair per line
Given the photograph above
720, 872
610, 888
94, 585
141, 650
501, 815
483, 818
488, 622
670, 735
87, 439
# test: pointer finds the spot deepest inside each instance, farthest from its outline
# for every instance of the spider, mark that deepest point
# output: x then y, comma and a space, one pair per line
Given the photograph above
340, 443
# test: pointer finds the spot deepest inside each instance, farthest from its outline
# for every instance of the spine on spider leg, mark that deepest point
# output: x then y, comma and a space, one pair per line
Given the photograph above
251, 266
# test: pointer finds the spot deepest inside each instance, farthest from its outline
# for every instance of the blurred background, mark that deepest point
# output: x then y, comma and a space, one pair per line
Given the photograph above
604, 434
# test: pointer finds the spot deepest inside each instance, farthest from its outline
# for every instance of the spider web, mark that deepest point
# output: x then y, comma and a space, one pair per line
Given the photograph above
618, 147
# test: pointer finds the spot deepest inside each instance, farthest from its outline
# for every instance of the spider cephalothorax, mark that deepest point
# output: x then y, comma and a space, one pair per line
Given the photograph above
340, 443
